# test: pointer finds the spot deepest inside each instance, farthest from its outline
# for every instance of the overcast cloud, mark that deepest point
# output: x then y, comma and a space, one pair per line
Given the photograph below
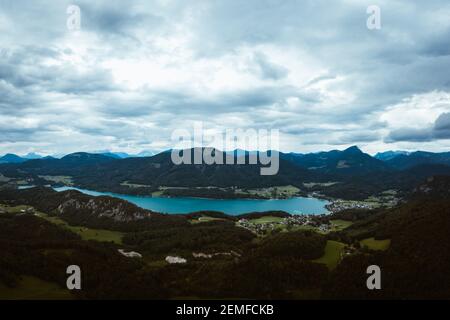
137, 70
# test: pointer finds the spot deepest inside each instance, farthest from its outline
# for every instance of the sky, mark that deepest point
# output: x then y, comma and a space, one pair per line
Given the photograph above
136, 71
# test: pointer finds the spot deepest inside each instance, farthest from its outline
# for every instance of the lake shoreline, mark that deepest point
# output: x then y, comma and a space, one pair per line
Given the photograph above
233, 207
218, 196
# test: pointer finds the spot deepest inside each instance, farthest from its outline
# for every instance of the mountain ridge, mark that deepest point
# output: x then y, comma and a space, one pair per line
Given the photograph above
353, 172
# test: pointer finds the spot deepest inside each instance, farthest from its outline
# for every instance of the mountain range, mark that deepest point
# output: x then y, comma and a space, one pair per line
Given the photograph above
14, 158
412, 158
354, 173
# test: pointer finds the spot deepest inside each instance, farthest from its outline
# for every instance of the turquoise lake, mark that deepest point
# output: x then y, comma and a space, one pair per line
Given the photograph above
296, 205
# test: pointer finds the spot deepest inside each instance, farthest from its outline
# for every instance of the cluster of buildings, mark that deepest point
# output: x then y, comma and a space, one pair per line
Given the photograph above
313, 221
258, 228
386, 199
340, 205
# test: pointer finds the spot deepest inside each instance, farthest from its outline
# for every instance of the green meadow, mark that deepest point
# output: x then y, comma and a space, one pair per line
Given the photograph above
204, 219
268, 219
87, 233
337, 225
378, 245
332, 254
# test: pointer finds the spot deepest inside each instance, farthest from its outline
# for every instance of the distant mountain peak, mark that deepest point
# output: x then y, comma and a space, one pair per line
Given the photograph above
76, 155
32, 155
111, 155
11, 158
353, 149
85, 155
146, 153
11, 155
388, 155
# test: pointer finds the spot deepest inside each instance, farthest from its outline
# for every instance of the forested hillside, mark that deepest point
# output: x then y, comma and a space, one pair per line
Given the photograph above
410, 243
354, 174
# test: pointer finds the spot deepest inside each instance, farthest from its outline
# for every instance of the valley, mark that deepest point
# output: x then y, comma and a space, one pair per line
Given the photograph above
224, 249
307, 256
318, 174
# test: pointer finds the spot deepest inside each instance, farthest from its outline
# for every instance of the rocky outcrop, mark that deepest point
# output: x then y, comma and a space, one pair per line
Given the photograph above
119, 211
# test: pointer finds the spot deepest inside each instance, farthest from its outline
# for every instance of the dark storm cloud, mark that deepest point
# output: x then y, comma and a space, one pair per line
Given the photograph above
410, 134
355, 138
112, 20
440, 130
437, 45
20, 67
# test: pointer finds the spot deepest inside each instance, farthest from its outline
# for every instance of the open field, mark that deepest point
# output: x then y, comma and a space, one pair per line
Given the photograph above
373, 244
337, 225
332, 254
204, 219
268, 219
134, 185
65, 180
32, 288
87, 233
272, 192
306, 228
16, 209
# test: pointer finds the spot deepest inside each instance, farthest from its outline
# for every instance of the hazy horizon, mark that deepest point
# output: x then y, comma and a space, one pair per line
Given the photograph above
155, 152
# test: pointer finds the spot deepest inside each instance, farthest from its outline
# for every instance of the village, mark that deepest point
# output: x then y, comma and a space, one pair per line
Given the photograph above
386, 199
267, 225
341, 205
319, 223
